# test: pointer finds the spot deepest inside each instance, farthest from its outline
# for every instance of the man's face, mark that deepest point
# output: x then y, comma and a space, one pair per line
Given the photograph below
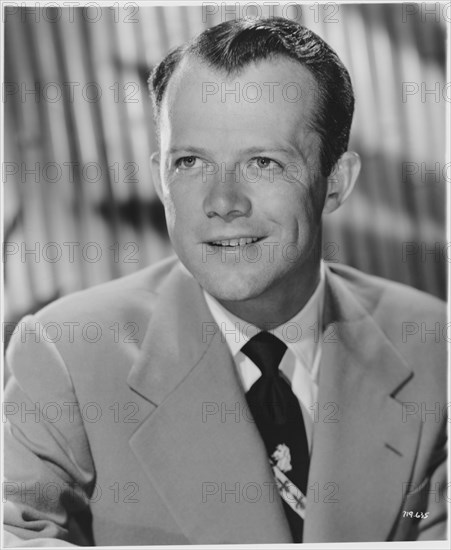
240, 176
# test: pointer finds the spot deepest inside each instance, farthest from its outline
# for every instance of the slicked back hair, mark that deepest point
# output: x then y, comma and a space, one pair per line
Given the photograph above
230, 46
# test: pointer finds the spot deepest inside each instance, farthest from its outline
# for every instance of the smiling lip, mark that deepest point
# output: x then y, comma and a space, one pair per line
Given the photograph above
236, 241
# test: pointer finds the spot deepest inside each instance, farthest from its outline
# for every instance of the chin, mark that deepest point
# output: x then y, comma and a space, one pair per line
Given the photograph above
232, 288
225, 294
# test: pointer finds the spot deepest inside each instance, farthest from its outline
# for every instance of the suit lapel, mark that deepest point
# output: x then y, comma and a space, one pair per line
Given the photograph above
363, 449
199, 446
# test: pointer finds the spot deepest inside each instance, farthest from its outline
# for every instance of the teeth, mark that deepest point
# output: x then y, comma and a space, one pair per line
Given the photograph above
236, 242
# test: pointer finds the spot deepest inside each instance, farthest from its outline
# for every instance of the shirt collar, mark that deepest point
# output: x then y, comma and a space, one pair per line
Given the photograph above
300, 333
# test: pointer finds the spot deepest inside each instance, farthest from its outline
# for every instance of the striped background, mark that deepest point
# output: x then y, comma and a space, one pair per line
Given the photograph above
80, 207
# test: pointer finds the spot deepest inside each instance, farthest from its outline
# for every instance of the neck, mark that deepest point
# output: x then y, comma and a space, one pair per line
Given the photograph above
277, 306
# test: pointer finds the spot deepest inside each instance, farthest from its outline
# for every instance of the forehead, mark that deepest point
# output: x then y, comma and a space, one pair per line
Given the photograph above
278, 79
274, 96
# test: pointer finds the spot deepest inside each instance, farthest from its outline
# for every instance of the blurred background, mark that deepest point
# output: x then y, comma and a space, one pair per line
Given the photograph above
80, 206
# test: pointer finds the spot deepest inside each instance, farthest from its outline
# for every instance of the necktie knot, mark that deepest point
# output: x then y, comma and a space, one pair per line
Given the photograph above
266, 351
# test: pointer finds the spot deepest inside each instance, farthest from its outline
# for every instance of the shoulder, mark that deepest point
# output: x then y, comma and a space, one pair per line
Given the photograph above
89, 335
87, 327
129, 297
383, 298
413, 322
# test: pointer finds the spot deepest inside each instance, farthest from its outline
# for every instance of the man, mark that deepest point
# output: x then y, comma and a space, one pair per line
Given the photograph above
263, 396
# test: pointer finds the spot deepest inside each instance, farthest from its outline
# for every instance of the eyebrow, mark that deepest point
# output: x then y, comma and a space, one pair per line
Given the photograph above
249, 151
194, 150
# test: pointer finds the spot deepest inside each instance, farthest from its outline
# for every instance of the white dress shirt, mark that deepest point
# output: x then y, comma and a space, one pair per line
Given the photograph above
300, 363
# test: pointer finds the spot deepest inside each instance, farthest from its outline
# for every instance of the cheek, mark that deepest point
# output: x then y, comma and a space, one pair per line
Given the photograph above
295, 210
175, 204
309, 204
181, 216
170, 211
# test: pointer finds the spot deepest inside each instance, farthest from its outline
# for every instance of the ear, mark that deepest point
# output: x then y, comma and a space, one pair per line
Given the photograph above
155, 171
341, 181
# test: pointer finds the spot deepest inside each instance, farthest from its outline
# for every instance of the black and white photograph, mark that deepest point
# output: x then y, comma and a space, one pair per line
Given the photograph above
225, 275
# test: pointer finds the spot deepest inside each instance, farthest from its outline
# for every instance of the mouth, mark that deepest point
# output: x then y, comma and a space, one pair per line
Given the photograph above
240, 241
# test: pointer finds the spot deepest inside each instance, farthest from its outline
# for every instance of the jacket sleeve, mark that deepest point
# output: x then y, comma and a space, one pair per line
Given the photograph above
436, 494
49, 471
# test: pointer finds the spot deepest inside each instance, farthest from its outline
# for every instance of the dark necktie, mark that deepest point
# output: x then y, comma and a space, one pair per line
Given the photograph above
278, 417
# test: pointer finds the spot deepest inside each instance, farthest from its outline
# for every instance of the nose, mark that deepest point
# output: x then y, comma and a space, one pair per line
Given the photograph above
227, 200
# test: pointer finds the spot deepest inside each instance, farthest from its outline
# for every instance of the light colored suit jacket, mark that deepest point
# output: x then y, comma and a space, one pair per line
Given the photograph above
127, 423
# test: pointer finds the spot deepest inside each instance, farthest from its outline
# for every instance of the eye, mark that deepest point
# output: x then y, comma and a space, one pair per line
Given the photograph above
264, 163
186, 162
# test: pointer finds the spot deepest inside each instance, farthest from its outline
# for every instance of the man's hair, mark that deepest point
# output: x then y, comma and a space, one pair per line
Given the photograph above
232, 45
